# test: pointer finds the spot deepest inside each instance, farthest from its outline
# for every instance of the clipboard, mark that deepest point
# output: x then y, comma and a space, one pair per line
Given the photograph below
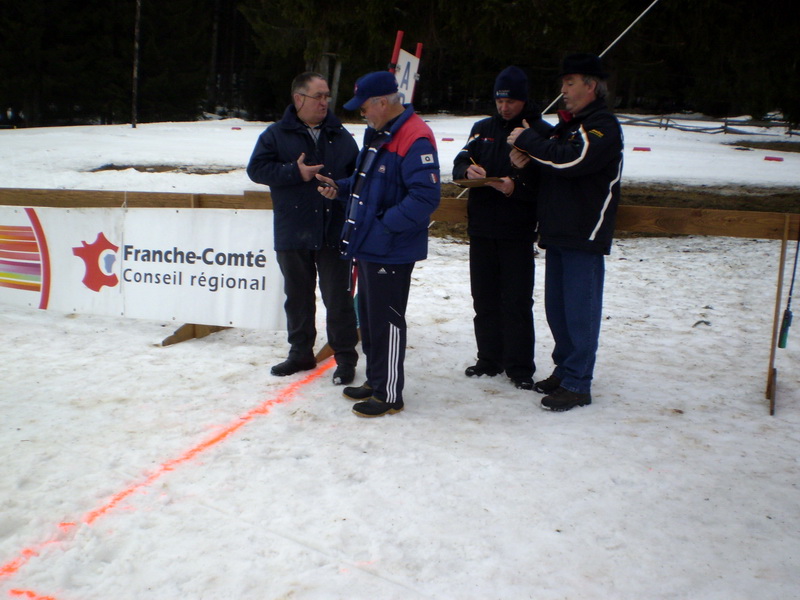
470, 183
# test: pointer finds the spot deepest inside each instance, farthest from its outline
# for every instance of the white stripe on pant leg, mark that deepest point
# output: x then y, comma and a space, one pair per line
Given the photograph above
392, 363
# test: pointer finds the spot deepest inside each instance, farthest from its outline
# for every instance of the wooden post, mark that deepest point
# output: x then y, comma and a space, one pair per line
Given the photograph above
190, 331
772, 372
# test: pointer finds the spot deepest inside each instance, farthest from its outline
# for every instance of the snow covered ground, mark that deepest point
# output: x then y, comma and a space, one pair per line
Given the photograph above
132, 470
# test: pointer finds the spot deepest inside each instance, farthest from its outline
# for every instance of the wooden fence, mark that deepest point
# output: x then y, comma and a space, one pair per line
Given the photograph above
634, 219
637, 219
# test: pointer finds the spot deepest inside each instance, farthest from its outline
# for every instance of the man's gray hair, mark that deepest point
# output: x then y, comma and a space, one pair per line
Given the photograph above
601, 89
393, 98
301, 81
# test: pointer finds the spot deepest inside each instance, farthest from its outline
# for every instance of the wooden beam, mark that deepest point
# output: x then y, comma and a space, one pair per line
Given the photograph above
451, 210
702, 221
191, 331
635, 219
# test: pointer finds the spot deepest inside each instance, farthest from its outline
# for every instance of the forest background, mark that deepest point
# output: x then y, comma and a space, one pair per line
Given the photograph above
72, 62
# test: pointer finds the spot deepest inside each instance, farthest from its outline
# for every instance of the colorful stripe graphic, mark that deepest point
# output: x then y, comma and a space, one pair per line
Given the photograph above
24, 262
20, 260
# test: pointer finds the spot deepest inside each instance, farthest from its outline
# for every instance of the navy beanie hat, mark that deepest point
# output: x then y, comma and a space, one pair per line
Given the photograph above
511, 83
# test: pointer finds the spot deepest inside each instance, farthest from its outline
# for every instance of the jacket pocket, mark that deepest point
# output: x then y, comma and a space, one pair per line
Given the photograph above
378, 240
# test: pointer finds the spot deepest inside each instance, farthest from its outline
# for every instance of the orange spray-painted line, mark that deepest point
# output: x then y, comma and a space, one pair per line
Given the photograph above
12, 567
29, 594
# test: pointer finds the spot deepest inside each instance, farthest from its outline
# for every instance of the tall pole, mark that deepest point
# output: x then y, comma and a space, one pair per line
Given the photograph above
610, 46
135, 86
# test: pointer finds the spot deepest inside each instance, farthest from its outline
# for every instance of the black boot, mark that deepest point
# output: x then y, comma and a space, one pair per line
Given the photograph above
377, 408
291, 366
344, 375
562, 400
482, 368
522, 382
548, 386
362, 392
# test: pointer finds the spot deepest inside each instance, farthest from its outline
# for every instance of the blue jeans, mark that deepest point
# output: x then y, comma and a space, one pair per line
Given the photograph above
573, 302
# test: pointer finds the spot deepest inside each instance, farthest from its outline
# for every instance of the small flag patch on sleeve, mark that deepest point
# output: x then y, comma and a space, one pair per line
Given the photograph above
427, 159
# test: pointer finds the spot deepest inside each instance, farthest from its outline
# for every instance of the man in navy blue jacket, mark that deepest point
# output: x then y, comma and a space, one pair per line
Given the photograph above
390, 199
580, 165
309, 139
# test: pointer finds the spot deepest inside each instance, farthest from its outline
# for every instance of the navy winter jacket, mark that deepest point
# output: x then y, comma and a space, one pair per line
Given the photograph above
303, 218
490, 213
401, 188
580, 171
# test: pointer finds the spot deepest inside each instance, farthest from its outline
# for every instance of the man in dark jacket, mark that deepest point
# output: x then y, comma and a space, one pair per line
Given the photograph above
580, 162
502, 231
390, 198
309, 139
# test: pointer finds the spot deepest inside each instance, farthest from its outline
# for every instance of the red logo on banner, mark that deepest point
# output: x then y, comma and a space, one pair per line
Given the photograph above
98, 262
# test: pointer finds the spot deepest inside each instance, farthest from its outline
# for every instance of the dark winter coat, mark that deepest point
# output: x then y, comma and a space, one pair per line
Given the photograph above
491, 213
303, 218
401, 188
581, 168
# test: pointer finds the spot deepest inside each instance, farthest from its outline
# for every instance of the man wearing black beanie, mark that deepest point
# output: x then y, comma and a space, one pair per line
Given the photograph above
502, 231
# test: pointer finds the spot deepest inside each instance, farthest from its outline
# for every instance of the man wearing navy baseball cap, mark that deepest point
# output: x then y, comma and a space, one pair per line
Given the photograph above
372, 85
390, 198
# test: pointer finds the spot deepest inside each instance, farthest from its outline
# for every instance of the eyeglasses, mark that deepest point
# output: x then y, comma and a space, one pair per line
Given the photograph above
371, 101
318, 97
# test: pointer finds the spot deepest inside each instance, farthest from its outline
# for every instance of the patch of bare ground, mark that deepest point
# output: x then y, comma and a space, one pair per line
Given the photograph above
189, 169
720, 198
774, 146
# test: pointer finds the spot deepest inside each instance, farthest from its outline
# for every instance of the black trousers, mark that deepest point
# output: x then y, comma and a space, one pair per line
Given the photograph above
501, 280
300, 270
382, 299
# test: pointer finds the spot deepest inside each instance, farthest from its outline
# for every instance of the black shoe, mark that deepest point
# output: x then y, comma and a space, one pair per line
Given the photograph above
377, 408
482, 368
548, 386
562, 400
523, 383
344, 375
362, 392
291, 366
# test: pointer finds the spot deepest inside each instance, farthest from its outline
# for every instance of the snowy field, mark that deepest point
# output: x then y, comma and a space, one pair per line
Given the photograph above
68, 157
136, 471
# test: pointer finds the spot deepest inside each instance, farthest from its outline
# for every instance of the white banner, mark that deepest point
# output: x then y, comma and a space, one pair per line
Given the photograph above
406, 75
211, 267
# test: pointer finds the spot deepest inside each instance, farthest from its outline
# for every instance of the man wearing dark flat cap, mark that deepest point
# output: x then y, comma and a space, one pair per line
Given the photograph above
580, 167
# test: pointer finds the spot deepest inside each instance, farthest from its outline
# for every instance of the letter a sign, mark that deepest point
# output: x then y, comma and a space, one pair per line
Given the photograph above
406, 75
